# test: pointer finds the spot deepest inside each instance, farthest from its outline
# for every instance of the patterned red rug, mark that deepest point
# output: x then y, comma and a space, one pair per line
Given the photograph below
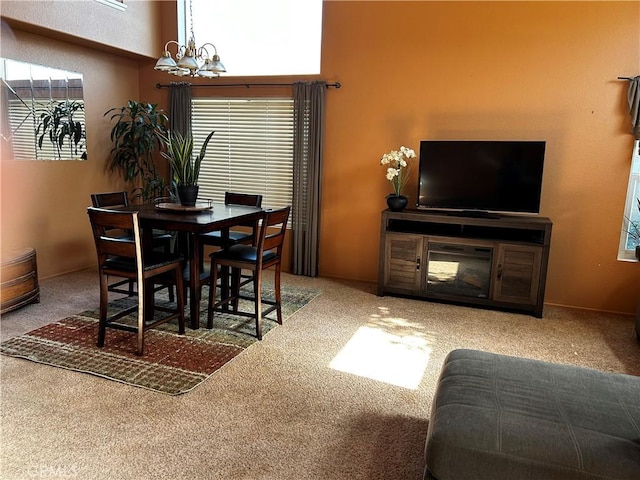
172, 363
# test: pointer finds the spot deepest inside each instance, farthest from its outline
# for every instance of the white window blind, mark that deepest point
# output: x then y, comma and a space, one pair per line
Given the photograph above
628, 241
22, 124
251, 151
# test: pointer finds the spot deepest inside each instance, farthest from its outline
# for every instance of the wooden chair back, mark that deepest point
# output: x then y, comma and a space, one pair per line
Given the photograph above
249, 200
243, 235
273, 228
110, 199
104, 223
245, 199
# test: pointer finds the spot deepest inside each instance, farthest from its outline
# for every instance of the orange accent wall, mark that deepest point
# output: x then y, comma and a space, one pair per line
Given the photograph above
410, 71
484, 70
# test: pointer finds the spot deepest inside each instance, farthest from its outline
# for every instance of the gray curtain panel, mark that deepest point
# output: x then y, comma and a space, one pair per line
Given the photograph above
180, 107
309, 113
633, 96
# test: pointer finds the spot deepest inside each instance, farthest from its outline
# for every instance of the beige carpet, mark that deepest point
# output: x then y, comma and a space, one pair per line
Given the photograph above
172, 363
341, 391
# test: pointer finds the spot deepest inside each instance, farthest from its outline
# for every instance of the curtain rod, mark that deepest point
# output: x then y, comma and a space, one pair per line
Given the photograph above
625, 78
247, 85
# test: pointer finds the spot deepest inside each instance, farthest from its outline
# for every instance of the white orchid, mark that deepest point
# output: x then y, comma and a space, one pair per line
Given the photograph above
398, 168
392, 173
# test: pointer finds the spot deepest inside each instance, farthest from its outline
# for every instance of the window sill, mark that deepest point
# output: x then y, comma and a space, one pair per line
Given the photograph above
118, 5
627, 257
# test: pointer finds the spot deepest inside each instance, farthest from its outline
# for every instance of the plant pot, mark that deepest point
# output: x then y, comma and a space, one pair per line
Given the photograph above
397, 203
188, 194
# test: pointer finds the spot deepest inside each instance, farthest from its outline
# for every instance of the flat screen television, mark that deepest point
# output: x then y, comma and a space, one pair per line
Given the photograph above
481, 176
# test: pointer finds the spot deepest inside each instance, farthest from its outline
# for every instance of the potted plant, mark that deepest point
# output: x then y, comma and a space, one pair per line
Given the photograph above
136, 135
56, 120
185, 169
398, 171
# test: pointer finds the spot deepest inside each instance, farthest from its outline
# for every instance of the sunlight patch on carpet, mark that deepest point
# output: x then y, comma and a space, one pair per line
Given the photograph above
387, 349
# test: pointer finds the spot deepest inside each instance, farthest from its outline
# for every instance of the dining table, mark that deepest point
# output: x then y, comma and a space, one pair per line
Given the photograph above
191, 222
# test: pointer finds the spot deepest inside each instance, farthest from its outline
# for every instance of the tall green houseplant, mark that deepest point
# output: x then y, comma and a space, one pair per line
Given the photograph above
184, 168
136, 135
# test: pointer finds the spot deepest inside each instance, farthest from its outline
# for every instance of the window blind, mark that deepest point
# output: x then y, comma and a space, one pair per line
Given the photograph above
251, 150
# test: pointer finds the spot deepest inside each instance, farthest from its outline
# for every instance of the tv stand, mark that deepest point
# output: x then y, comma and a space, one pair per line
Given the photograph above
495, 261
473, 214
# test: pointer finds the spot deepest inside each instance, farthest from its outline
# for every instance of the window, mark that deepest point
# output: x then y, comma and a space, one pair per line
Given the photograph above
251, 151
630, 237
23, 121
117, 4
43, 118
254, 37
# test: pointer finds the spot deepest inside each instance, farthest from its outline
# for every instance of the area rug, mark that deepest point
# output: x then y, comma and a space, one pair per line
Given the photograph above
173, 364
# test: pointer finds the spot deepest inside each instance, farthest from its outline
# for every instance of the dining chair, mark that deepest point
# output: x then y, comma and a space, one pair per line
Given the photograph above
216, 239
159, 239
124, 257
265, 252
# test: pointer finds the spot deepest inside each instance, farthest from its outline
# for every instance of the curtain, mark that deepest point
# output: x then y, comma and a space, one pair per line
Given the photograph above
633, 96
309, 113
180, 107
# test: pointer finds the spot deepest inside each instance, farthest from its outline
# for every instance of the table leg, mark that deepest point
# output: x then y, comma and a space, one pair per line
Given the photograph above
224, 270
148, 293
194, 284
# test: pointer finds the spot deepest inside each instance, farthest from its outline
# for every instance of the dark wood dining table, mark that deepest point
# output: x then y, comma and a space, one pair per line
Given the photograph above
193, 223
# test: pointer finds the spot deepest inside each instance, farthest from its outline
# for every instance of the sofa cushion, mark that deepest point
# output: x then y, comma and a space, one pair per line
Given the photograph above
500, 417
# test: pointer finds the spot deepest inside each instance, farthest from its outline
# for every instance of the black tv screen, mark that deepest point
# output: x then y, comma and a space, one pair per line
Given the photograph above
482, 176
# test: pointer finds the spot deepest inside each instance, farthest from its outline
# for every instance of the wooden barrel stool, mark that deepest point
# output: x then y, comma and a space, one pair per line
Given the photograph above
18, 280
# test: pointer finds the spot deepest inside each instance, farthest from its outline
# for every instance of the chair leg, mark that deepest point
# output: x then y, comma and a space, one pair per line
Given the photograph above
235, 288
213, 281
180, 299
146, 298
277, 292
145, 309
257, 293
104, 297
140, 347
185, 291
167, 249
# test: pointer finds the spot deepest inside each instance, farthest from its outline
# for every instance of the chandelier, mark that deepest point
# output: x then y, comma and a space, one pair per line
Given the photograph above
190, 59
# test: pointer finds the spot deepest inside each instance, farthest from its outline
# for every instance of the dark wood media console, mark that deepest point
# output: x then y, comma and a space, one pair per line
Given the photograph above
495, 261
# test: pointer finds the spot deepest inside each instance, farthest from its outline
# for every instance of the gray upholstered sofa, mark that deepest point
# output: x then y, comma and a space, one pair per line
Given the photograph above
505, 418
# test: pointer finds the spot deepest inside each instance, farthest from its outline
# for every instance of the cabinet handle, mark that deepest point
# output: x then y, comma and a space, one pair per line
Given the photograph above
418, 263
499, 271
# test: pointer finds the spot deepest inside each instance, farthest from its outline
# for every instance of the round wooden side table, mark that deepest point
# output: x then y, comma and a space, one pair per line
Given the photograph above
18, 280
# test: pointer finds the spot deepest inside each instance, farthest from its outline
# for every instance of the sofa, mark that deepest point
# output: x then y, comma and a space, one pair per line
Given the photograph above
507, 418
